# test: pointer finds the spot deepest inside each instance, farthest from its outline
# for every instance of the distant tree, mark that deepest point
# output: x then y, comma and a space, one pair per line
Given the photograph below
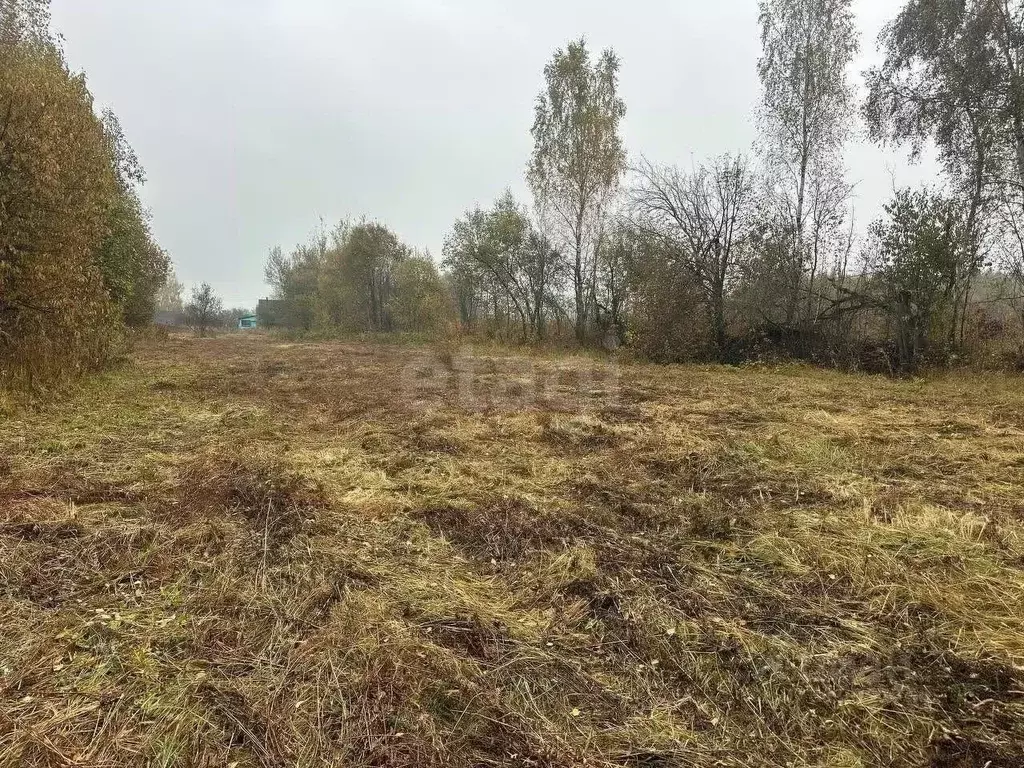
356, 282
469, 281
170, 296
519, 262
615, 259
276, 269
295, 279
953, 75
703, 219
543, 268
421, 301
578, 161
499, 260
204, 309
919, 273
806, 116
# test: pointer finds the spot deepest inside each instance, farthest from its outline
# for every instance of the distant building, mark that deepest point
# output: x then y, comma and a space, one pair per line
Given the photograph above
248, 322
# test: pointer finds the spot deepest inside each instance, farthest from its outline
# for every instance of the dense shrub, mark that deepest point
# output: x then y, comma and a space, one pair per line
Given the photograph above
76, 258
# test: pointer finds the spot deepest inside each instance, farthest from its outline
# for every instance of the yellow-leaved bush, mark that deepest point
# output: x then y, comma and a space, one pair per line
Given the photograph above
59, 188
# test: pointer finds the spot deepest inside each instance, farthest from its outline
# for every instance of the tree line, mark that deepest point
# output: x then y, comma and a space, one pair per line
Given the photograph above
745, 255
79, 267
359, 276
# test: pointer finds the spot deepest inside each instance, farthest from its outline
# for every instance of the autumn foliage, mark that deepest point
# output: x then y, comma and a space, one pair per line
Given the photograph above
77, 262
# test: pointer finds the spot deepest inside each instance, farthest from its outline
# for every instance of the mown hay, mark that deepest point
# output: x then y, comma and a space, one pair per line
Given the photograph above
712, 567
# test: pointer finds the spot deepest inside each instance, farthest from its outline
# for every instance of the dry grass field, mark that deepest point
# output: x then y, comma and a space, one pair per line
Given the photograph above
242, 552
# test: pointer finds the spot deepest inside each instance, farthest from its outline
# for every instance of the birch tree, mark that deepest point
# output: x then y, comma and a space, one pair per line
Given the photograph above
805, 119
953, 75
578, 161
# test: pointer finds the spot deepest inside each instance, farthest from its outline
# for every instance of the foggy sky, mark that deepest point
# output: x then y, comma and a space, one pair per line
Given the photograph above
256, 118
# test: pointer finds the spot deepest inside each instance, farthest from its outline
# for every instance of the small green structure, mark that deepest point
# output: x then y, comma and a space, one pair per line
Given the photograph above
248, 323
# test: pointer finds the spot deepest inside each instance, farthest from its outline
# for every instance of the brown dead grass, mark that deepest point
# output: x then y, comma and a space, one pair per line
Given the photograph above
240, 552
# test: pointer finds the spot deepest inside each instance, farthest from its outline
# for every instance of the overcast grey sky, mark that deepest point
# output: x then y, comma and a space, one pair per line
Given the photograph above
255, 118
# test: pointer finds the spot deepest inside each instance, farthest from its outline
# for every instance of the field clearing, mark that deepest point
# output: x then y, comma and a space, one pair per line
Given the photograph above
244, 552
